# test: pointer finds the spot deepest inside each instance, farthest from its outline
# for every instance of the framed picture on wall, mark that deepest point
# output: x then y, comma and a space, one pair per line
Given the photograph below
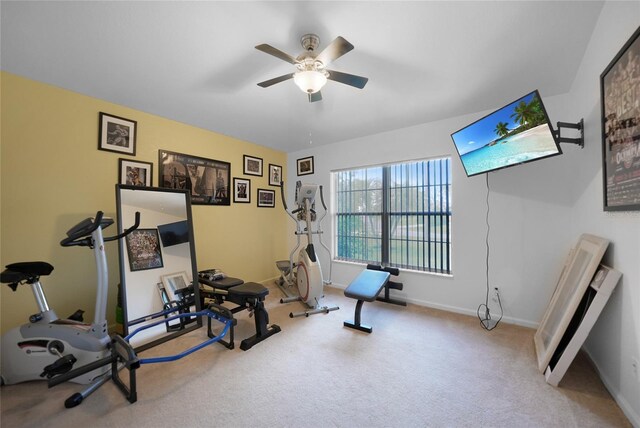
207, 180
135, 173
252, 165
266, 198
275, 175
620, 92
305, 165
143, 249
117, 134
241, 190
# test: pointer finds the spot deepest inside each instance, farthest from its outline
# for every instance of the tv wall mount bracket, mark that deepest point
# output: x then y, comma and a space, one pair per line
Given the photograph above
564, 125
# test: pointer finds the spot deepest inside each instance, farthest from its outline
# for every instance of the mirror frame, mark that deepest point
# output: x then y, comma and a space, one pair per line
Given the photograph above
124, 268
573, 282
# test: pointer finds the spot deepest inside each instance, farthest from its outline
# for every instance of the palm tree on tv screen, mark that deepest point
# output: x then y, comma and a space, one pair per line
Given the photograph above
529, 115
523, 113
501, 129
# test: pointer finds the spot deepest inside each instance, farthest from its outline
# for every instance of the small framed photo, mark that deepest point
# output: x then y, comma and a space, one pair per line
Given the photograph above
117, 134
305, 166
175, 285
241, 190
143, 249
266, 198
135, 173
275, 175
252, 166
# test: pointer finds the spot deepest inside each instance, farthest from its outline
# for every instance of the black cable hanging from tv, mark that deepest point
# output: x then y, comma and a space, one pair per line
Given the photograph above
485, 319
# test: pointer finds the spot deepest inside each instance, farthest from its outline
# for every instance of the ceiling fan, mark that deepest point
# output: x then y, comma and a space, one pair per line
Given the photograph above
312, 74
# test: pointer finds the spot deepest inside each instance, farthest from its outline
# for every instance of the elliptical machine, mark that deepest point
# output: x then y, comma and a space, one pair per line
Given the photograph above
306, 274
48, 346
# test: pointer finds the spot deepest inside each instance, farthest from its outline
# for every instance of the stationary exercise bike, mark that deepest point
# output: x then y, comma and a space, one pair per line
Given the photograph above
48, 346
306, 274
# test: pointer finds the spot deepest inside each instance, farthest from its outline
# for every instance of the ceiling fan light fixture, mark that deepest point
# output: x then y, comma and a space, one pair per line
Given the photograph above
310, 81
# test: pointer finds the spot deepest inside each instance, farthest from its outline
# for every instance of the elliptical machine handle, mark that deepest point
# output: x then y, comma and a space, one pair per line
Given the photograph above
322, 199
284, 202
126, 232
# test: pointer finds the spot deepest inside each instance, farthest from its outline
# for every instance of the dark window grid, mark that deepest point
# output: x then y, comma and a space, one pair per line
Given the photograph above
438, 196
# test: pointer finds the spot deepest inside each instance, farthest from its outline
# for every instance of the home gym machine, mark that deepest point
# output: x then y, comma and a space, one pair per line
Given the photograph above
306, 274
63, 350
48, 346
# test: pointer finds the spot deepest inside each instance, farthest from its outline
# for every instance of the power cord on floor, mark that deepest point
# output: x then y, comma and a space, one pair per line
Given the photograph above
485, 319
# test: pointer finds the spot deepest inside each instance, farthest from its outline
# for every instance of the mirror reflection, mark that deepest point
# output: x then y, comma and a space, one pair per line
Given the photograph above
157, 262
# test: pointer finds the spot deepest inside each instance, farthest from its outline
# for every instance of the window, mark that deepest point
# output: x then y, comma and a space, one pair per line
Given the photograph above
398, 215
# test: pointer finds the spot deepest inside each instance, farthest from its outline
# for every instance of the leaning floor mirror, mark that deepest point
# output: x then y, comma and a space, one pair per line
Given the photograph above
157, 264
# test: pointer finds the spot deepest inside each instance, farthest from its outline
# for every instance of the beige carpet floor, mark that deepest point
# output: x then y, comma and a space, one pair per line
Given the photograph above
419, 368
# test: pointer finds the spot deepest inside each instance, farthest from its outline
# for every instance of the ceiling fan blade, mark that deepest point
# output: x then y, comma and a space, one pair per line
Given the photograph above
275, 80
277, 53
347, 79
335, 50
316, 96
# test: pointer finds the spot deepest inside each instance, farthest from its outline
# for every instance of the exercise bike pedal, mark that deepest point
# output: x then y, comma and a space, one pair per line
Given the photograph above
77, 316
60, 366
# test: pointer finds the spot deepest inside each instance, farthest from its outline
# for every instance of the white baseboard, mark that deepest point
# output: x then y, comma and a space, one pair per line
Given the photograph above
629, 412
457, 310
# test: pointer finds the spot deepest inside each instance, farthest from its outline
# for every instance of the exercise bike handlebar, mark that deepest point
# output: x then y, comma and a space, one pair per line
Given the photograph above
136, 224
80, 234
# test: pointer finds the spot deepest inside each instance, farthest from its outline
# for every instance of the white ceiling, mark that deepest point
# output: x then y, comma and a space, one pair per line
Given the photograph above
195, 62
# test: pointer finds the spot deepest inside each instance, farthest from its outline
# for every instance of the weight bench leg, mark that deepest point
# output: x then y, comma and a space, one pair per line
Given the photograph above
356, 324
262, 330
228, 343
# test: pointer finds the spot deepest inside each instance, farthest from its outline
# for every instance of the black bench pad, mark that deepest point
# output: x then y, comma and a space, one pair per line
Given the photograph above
250, 289
367, 285
224, 283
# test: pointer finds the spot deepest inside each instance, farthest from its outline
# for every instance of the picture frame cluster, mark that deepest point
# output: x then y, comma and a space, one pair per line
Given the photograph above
253, 165
208, 180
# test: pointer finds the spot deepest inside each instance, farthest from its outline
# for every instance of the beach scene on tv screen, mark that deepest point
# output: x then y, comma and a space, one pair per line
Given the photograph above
514, 134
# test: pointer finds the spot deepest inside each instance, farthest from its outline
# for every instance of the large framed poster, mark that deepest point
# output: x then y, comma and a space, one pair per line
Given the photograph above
620, 93
207, 180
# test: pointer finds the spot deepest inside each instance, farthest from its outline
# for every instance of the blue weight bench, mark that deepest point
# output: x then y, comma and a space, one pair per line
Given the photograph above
366, 288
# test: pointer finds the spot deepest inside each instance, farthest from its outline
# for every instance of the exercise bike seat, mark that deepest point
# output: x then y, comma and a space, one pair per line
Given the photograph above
16, 272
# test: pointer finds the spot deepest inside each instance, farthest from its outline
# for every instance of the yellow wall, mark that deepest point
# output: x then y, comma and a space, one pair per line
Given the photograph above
53, 175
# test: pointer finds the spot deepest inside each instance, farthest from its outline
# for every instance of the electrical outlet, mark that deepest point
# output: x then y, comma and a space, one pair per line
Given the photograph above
495, 295
634, 365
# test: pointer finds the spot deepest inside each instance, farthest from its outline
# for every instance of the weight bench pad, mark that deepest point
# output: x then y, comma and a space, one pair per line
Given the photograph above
367, 285
250, 289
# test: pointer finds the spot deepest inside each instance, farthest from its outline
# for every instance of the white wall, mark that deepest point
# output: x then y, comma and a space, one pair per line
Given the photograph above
615, 339
537, 212
530, 207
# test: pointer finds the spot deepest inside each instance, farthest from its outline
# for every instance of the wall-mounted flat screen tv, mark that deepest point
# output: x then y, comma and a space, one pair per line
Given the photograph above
174, 233
517, 133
